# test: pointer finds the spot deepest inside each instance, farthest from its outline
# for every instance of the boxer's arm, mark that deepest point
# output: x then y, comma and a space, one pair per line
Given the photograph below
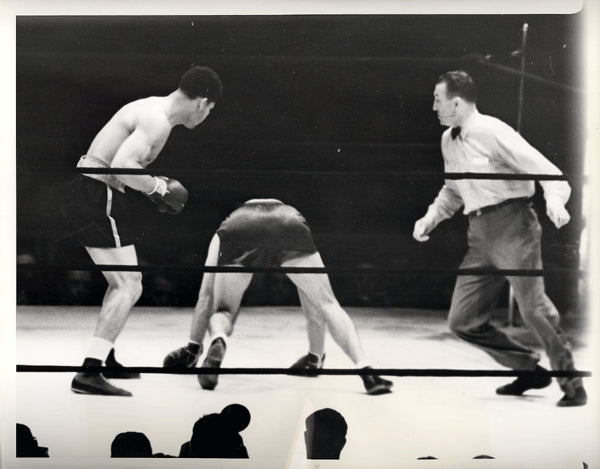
134, 151
205, 304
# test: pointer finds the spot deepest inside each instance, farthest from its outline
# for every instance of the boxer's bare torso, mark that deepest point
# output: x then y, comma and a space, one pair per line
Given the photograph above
134, 135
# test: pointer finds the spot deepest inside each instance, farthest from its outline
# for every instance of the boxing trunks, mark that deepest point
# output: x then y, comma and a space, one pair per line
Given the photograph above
264, 233
94, 207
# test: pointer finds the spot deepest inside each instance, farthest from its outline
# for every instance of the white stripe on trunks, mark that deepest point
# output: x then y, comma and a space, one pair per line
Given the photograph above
113, 224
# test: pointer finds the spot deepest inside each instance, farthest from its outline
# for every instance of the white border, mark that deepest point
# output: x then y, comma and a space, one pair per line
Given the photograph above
9, 9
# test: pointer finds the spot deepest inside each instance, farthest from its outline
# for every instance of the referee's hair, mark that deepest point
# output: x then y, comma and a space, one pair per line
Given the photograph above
459, 83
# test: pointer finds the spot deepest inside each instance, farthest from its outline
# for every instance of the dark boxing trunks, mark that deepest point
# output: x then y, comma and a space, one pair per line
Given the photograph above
264, 233
94, 213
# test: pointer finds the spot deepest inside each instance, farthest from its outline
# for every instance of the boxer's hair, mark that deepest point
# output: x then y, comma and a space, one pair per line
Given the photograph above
459, 83
200, 81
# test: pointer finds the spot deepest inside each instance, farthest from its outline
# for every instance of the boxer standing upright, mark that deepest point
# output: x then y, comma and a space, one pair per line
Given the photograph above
131, 139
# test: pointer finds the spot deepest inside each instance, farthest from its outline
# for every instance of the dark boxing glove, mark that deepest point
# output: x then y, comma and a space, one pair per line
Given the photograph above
169, 195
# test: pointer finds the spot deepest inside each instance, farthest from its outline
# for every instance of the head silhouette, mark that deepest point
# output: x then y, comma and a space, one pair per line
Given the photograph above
27, 444
217, 435
237, 416
131, 445
325, 434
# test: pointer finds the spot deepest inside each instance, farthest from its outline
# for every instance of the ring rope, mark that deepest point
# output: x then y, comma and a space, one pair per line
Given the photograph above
299, 270
433, 372
411, 174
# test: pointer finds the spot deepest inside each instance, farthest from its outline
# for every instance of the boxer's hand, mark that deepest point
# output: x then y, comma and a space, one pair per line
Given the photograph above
423, 227
169, 195
557, 212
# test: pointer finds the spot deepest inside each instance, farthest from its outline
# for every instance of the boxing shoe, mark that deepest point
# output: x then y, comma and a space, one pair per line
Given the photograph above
576, 398
307, 363
184, 357
112, 362
524, 383
376, 384
92, 382
214, 358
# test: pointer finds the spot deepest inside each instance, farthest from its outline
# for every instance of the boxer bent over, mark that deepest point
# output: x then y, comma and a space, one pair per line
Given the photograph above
267, 233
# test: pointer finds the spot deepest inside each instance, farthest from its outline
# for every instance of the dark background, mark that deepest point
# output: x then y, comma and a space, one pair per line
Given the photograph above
315, 102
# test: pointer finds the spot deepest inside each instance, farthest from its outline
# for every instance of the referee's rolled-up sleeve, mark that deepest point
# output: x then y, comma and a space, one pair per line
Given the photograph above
447, 202
517, 153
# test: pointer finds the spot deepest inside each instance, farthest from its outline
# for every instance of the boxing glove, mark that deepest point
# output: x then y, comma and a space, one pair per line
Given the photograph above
169, 195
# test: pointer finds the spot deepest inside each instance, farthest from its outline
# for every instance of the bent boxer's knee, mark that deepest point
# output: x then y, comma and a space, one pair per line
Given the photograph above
337, 319
331, 304
133, 283
135, 289
315, 318
128, 284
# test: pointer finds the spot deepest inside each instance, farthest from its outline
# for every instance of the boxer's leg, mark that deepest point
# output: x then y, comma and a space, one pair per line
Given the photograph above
229, 289
188, 355
320, 294
124, 289
318, 291
315, 325
315, 328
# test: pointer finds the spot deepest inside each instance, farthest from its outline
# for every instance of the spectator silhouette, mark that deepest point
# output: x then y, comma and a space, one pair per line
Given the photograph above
131, 445
217, 435
325, 434
27, 444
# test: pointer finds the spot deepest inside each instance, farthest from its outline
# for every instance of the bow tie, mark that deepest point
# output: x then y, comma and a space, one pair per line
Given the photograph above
455, 132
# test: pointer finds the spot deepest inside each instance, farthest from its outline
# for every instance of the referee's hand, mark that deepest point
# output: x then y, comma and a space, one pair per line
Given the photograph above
423, 227
557, 212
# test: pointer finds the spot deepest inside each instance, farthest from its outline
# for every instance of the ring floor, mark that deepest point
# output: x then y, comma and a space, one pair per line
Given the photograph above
452, 419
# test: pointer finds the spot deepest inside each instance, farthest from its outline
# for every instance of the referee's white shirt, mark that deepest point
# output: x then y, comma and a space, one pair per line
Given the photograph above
488, 145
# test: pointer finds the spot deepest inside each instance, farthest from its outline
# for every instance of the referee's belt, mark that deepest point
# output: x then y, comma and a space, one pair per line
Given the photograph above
491, 208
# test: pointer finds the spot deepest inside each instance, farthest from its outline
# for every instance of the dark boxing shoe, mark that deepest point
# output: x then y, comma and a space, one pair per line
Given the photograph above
183, 357
308, 363
524, 383
577, 398
112, 362
376, 385
91, 382
214, 358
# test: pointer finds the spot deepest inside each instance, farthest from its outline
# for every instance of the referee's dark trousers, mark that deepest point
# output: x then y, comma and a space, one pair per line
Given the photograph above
507, 236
